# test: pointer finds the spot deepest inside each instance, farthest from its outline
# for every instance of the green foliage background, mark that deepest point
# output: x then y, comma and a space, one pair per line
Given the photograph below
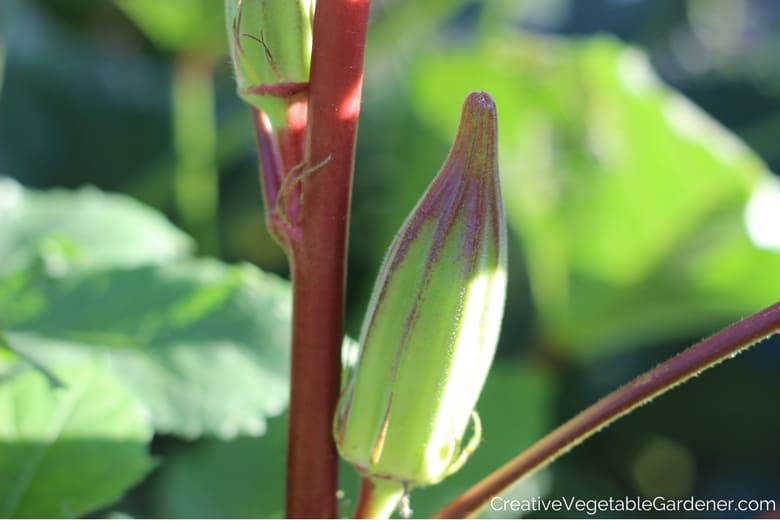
144, 372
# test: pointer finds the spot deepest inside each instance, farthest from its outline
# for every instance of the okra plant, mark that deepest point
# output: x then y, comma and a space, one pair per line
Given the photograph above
553, 176
430, 331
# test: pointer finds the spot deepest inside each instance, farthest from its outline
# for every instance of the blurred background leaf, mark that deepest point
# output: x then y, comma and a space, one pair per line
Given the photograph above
243, 476
13, 362
67, 451
82, 229
202, 344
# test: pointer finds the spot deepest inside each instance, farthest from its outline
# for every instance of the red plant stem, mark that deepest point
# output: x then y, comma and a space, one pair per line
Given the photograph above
319, 256
665, 376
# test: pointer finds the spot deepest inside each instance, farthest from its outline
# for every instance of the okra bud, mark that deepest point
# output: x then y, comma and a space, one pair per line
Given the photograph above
433, 320
270, 46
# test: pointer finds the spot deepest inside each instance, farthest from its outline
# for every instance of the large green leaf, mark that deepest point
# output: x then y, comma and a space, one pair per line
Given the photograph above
629, 201
244, 477
203, 344
12, 362
85, 228
67, 451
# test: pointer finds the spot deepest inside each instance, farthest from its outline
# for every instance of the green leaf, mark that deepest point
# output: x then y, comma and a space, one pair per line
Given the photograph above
203, 344
629, 201
82, 229
65, 452
243, 476
12, 362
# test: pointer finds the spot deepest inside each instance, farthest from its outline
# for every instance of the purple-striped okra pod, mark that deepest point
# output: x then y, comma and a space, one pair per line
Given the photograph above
432, 323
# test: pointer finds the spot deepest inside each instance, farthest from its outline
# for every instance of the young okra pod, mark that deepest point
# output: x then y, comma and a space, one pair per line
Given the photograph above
433, 321
270, 47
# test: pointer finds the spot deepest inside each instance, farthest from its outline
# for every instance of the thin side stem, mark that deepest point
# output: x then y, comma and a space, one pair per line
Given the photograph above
195, 140
665, 376
319, 256
280, 153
